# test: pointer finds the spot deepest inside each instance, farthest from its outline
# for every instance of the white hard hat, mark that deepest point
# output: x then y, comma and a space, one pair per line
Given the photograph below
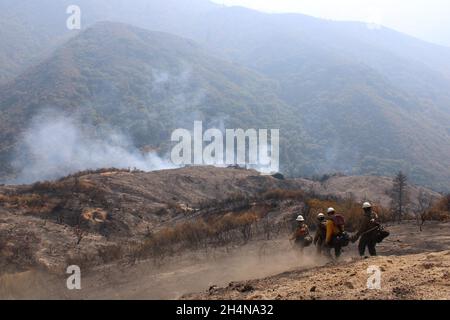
320, 216
300, 218
330, 210
366, 205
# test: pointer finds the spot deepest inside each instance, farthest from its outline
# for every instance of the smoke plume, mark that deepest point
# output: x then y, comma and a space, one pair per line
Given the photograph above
55, 145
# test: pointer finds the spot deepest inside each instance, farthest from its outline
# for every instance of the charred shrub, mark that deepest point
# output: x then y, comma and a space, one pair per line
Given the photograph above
284, 195
440, 211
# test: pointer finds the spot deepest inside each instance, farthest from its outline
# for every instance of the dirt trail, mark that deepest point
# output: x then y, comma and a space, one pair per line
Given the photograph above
198, 272
404, 275
189, 272
421, 276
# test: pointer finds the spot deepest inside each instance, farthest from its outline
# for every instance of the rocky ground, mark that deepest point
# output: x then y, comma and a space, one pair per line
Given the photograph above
415, 277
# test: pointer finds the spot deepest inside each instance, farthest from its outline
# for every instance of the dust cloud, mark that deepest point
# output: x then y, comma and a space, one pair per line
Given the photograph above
174, 277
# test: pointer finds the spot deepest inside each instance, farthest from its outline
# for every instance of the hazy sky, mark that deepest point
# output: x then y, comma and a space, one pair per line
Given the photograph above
425, 19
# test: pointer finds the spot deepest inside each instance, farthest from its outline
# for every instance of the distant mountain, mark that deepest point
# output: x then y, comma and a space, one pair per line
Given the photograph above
33, 29
373, 100
143, 84
366, 100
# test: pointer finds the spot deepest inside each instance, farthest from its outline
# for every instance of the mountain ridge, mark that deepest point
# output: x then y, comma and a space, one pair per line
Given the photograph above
363, 101
141, 83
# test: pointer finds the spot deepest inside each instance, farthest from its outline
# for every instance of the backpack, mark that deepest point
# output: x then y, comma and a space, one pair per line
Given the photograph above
381, 234
343, 239
307, 241
339, 221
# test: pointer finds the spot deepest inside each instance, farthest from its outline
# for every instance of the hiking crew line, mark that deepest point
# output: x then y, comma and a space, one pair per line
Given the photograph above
331, 235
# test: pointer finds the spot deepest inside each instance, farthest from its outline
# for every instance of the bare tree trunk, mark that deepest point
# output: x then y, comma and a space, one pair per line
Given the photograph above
399, 196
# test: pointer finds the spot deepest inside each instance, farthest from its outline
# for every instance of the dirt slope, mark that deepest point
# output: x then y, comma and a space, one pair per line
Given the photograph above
414, 265
420, 276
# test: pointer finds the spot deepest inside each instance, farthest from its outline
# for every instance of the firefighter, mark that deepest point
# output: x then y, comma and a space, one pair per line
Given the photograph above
301, 236
321, 233
335, 232
368, 231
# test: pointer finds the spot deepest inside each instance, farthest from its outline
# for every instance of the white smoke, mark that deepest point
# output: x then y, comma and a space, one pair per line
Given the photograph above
58, 145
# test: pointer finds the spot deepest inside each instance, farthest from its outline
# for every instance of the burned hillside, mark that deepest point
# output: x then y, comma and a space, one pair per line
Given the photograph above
96, 217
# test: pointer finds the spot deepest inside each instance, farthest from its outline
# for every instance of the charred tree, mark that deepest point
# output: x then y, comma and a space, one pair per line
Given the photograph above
399, 196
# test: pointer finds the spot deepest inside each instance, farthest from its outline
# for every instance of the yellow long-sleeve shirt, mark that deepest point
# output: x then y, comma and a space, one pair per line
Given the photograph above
332, 230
